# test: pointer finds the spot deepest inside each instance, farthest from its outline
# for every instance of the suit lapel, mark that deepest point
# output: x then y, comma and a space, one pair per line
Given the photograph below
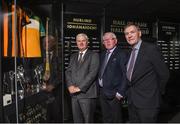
138, 60
112, 56
84, 58
128, 55
76, 59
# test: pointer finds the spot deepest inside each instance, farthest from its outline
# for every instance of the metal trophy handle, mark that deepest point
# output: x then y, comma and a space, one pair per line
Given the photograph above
11, 76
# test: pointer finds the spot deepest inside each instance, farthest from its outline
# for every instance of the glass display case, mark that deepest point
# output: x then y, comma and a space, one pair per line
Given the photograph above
31, 78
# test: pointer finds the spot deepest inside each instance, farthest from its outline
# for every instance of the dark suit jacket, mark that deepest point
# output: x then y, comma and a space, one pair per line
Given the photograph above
149, 77
114, 76
84, 75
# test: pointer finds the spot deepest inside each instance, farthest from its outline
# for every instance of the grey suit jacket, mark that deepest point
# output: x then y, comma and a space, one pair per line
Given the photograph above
83, 75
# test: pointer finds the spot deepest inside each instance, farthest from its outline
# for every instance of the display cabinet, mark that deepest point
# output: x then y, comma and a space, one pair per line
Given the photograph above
30, 31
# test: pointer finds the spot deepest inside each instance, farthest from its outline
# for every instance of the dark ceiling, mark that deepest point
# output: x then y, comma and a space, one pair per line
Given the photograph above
169, 9
159, 8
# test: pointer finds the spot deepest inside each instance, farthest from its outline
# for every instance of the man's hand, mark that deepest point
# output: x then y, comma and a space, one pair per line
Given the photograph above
73, 89
118, 96
48, 87
76, 89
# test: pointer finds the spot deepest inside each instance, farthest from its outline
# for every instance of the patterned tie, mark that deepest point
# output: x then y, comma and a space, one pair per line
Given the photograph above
131, 64
104, 63
80, 57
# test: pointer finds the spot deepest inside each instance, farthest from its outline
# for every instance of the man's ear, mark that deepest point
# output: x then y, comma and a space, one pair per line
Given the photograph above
140, 33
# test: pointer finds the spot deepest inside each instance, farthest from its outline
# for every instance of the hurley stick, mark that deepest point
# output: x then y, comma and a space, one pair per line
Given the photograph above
47, 68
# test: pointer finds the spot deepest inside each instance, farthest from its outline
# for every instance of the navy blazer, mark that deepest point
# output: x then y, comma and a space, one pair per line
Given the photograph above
114, 76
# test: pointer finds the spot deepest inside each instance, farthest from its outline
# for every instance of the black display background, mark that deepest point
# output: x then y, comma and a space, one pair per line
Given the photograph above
168, 40
170, 46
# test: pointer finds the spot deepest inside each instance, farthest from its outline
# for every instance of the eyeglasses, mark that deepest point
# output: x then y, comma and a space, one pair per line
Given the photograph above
105, 40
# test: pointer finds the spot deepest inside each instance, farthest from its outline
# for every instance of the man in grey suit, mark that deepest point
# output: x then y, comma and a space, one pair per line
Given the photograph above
147, 75
80, 78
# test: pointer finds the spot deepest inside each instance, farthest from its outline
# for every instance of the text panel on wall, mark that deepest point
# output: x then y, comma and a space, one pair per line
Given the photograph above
168, 40
116, 25
74, 24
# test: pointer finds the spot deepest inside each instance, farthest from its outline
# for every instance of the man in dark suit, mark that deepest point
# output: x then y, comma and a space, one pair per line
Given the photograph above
147, 75
80, 78
111, 79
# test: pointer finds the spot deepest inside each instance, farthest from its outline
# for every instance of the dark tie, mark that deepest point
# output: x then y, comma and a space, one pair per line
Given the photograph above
104, 63
131, 64
80, 57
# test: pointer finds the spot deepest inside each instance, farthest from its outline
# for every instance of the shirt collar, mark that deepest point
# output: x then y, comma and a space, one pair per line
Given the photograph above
137, 46
111, 50
83, 51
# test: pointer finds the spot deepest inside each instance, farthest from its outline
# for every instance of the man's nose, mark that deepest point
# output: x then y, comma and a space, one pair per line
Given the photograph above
129, 35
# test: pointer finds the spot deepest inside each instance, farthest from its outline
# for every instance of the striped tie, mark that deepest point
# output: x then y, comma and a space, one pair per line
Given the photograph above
80, 57
131, 64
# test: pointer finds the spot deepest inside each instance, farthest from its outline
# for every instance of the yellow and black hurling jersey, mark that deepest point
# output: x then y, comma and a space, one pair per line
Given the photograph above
28, 33
31, 34
12, 37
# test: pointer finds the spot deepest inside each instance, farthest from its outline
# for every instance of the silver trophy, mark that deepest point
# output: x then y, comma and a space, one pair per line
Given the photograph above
11, 76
